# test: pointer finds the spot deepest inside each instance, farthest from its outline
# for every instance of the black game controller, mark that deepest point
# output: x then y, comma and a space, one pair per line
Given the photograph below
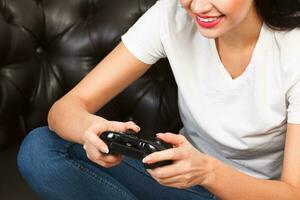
130, 145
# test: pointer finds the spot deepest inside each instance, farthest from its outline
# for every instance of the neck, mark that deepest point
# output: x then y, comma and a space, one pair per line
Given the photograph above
245, 34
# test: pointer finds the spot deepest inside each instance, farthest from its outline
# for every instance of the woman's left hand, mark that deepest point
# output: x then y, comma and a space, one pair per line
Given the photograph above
190, 167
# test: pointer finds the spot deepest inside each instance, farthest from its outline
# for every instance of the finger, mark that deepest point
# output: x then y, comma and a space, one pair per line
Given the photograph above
176, 181
98, 128
92, 152
111, 158
132, 126
94, 139
123, 126
95, 155
168, 181
172, 138
106, 164
167, 171
168, 154
175, 185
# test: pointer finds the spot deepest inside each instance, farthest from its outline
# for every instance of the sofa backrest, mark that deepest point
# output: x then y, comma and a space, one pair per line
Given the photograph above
47, 46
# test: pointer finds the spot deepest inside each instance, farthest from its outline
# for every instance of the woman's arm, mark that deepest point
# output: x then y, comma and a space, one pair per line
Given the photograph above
230, 184
191, 167
71, 115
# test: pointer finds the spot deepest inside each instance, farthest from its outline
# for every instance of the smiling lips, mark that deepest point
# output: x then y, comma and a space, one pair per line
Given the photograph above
208, 21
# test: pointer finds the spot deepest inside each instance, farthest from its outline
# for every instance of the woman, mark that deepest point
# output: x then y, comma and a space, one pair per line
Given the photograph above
236, 64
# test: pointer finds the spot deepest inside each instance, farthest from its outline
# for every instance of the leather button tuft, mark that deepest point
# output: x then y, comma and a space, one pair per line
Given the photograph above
40, 51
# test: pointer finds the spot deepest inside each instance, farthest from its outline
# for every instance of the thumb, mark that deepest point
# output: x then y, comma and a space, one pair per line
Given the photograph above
171, 138
97, 128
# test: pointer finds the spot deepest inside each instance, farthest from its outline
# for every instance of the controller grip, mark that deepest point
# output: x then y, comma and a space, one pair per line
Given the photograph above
132, 146
158, 164
117, 148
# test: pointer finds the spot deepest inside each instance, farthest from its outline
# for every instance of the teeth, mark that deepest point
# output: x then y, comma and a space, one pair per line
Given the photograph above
207, 19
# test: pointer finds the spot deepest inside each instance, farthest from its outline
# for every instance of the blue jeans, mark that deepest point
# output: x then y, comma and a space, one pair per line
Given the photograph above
58, 169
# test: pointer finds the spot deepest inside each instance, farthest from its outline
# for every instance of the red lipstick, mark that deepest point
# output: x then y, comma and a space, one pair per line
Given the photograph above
208, 21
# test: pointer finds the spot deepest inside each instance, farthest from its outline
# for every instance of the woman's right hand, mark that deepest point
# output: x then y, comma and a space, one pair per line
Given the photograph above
96, 149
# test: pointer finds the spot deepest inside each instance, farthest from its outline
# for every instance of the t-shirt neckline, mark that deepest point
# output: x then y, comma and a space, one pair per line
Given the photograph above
234, 82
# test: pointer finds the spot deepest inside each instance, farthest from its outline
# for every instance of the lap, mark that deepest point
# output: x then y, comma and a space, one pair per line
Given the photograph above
130, 173
139, 181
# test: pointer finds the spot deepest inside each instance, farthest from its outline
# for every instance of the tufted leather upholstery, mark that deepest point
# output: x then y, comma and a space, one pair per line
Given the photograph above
47, 46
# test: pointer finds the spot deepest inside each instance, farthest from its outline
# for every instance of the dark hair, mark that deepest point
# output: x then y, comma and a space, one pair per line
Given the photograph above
279, 14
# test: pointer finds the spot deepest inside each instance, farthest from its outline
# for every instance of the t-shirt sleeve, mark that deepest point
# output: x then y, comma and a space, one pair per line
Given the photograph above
293, 97
143, 39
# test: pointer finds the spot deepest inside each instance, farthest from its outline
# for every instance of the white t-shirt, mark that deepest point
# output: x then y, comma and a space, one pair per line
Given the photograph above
240, 121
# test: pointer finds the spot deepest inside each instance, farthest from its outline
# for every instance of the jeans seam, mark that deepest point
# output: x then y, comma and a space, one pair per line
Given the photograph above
93, 175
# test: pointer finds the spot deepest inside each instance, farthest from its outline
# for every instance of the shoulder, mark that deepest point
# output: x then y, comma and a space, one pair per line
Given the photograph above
288, 45
288, 41
169, 3
171, 8
174, 15
289, 38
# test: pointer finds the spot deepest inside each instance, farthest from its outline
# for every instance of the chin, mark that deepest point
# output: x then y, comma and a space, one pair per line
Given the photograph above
210, 33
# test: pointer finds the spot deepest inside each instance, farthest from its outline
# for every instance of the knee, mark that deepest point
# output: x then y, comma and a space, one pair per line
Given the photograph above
32, 155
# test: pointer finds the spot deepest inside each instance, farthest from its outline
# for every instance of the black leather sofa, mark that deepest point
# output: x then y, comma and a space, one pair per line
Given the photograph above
46, 47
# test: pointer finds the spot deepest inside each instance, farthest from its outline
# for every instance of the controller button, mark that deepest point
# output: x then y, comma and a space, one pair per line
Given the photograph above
128, 144
150, 148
